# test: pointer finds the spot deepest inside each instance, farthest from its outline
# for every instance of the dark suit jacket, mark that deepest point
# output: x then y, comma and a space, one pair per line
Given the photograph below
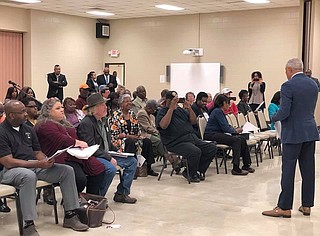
92, 88
56, 89
298, 101
112, 79
88, 131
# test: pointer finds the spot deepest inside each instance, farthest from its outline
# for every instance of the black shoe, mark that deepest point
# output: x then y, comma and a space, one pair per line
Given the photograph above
239, 172
152, 173
4, 208
48, 199
248, 168
124, 198
201, 176
193, 179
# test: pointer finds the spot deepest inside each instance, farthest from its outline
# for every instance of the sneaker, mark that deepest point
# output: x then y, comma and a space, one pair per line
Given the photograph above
75, 224
193, 179
248, 168
124, 198
30, 231
201, 176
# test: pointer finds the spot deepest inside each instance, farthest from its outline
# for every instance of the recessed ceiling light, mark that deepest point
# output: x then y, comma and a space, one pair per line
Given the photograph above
257, 1
169, 7
26, 1
100, 13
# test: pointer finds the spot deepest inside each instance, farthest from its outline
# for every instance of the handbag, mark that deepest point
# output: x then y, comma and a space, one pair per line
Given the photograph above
92, 209
142, 171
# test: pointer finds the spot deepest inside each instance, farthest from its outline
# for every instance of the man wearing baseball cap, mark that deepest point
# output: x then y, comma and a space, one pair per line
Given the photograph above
84, 92
178, 136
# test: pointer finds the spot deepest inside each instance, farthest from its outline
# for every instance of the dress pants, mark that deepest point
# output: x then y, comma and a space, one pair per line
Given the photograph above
25, 180
146, 152
198, 153
157, 145
238, 144
304, 153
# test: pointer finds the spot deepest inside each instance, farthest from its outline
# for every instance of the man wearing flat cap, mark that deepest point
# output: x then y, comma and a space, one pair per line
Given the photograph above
178, 136
93, 129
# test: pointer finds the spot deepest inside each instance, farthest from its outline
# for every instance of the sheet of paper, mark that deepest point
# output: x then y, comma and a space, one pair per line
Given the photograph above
113, 226
248, 127
121, 154
57, 153
141, 160
83, 153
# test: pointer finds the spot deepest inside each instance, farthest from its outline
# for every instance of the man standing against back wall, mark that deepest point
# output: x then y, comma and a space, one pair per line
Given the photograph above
299, 133
56, 82
107, 79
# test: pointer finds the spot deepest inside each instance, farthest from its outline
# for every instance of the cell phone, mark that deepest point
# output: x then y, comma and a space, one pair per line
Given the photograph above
181, 100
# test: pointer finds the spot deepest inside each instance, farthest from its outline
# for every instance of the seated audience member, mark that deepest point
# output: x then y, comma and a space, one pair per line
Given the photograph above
28, 92
233, 109
211, 104
274, 107
55, 133
243, 105
3, 206
127, 91
147, 123
73, 115
209, 98
120, 89
141, 99
216, 130
12, 94
94, 130
309, 74
177, 134
2, 114
92, 82
190, 97
162, 100
18, 145
104, 91
81, 100
113, 103
125, 133
200, 110
32, 111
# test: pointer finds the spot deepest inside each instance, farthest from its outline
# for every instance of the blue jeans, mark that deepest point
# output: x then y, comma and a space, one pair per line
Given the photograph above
129, 166
110, 173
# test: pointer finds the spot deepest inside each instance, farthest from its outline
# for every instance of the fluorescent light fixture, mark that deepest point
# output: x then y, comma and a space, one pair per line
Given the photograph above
100, 13
26, 1
257, 1
169, 7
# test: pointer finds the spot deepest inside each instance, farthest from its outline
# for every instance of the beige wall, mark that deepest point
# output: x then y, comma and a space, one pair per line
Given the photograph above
243, 41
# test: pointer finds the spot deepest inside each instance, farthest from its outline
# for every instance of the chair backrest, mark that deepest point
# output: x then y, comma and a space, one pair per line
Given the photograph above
252, 118
202, 122
262, 120
229, 120
234, 120
241, 119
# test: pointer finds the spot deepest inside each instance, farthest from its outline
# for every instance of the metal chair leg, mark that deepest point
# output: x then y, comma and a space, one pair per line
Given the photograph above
163, 167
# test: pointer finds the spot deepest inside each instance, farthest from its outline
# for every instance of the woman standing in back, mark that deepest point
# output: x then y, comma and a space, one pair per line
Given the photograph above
256, 90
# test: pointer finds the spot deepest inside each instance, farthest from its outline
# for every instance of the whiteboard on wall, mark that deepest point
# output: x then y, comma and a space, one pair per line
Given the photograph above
195, 77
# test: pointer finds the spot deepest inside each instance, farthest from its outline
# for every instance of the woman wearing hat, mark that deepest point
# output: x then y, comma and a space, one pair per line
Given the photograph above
126, 132
55, 133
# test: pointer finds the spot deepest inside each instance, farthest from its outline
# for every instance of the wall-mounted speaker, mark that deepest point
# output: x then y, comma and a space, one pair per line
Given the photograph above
102, 30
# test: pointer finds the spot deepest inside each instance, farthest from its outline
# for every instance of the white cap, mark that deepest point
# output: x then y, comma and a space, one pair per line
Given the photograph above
226, 90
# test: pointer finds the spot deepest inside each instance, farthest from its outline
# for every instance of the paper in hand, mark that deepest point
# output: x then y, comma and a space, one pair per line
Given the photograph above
57, 153
83, 153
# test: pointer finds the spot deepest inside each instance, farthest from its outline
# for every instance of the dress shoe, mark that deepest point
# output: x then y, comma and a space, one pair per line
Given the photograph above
4, 208
74, 223
193, 179
239, 172
48, 196
152, 173
277, 212
123, 198
248, 168
305, 210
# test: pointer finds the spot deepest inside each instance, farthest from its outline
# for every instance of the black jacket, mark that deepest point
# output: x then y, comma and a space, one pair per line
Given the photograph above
56, 89
112, 79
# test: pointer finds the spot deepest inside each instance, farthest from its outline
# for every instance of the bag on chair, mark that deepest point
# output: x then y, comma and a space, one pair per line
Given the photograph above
92, 209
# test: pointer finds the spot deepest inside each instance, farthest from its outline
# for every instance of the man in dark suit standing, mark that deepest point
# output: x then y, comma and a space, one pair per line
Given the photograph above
56, 82
107, 79
299, 133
